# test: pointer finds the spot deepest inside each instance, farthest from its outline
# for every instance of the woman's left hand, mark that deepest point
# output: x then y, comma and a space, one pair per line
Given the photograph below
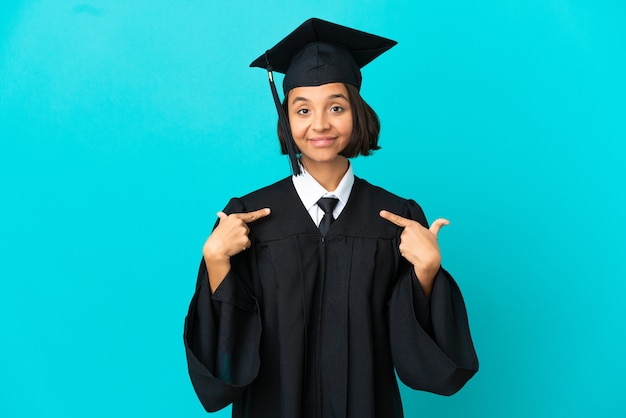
419, 246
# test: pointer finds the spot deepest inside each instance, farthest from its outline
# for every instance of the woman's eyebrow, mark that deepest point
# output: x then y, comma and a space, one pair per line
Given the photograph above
299, 99
338, 96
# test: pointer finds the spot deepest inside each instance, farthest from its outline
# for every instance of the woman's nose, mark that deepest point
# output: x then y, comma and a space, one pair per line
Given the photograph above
320, 122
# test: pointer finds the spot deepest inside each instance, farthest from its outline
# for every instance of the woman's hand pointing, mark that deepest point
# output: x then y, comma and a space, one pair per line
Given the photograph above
419, 246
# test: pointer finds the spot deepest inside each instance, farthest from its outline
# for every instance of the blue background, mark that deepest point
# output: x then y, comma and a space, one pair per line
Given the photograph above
125, 126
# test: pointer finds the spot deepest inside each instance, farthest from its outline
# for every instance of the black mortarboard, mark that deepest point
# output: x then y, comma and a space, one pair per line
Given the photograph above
318, 52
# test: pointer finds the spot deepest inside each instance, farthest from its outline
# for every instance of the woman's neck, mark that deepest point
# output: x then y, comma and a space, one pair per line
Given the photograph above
328, 173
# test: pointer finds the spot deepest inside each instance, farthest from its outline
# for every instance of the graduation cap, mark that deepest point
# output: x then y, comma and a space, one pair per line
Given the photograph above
318, 52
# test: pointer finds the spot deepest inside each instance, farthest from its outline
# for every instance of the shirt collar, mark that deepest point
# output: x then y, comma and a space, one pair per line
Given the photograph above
310, 191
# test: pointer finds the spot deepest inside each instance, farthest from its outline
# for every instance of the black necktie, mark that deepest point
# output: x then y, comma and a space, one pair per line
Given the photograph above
327, 204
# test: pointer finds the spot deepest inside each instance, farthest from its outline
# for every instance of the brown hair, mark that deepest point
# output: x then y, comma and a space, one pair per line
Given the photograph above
365, 127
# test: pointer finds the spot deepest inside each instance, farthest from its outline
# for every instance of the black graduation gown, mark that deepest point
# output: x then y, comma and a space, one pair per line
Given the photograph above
311, 327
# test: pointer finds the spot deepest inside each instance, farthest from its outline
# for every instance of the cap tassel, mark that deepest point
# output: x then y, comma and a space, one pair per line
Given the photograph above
284, 125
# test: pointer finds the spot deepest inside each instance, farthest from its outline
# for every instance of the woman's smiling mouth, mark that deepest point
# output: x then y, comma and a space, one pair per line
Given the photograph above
322, 141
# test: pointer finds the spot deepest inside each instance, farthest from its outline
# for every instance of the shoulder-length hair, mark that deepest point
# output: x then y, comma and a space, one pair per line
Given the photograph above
365, 127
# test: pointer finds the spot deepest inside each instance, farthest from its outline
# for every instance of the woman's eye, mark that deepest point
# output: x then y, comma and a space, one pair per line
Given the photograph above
336, 109
303, 111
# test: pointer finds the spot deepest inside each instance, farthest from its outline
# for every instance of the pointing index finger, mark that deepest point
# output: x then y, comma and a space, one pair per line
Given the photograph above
254, 215
396, 219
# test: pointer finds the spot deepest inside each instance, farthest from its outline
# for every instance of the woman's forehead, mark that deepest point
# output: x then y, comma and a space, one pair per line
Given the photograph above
321, 92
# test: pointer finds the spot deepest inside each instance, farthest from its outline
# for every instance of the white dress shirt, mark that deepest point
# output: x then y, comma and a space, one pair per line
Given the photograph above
310, 191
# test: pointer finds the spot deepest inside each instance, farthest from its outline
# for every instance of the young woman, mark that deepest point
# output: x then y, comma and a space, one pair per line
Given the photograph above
314, 291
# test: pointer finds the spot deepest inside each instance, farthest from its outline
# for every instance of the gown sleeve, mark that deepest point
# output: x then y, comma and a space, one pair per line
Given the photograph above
222, 334
430, 340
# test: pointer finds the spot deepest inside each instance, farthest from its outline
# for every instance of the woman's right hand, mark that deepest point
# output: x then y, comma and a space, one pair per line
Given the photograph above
229, 238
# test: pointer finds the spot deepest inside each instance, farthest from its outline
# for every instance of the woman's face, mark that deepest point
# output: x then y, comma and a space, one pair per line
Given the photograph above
321, 121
